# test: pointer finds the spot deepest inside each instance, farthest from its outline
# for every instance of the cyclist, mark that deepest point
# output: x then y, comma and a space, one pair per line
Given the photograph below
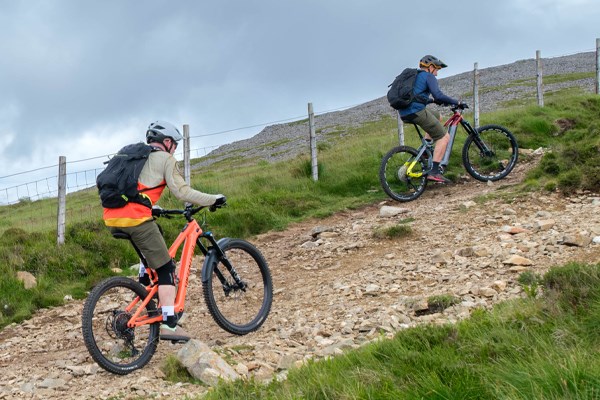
426, 85
136, 219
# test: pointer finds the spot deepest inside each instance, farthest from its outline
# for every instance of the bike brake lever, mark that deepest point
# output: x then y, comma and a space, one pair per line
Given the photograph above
214, 208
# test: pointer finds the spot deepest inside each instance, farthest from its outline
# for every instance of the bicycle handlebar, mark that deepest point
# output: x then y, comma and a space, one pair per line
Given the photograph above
460, 106
187, 212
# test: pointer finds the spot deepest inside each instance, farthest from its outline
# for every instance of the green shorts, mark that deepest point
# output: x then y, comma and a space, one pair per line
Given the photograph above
150, 241
430, 122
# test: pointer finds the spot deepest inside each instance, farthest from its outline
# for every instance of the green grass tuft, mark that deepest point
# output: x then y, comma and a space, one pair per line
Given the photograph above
521, 349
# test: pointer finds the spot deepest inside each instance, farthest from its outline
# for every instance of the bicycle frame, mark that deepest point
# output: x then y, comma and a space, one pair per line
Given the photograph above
189, 237
452, 126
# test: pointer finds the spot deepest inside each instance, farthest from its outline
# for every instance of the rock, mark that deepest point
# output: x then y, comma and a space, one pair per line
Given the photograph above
543, 214
499, 286
487, 292
518, 260
27, 278
317, 230
80, 370
440, 257
204, 364
469, 204
389, 211
576, 240
513, 230
466, 252
287, 361
328, 235
518, 269
50, 383
372, 289
481, 251
545, 224
309, 245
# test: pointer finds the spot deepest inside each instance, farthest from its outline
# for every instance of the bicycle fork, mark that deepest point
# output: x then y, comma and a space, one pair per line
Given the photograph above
215, 254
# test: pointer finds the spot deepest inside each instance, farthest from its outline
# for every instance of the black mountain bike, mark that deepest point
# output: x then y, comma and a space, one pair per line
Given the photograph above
489, 154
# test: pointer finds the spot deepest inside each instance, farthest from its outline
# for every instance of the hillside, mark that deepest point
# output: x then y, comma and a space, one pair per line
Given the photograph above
337, 284
334, 290
499, 86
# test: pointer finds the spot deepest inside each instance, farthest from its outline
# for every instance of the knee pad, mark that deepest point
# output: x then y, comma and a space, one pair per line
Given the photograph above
166, 274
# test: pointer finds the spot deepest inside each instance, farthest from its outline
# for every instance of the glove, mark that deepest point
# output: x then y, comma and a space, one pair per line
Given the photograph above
462, 105
221, 201
156, 210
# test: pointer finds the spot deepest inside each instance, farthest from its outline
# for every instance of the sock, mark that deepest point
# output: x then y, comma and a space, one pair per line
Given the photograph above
168, 311
435, 169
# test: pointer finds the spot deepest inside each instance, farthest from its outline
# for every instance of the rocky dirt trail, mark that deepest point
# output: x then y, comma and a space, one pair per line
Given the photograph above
336, 287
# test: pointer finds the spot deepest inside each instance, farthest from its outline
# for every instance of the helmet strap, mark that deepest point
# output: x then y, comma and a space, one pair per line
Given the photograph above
170, 147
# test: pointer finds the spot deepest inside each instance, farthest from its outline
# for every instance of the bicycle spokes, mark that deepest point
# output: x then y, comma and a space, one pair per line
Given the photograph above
239, 291
116, 325
402, 173
234, 283
491, 153
114, 345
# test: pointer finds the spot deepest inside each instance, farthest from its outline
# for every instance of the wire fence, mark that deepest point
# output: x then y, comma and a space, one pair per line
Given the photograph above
81, 208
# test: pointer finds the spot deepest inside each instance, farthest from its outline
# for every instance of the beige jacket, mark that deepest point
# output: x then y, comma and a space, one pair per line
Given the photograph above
162, 168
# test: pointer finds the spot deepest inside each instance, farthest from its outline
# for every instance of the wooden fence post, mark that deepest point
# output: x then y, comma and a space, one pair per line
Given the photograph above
313, 143
186, 154
62, 200
597, 65
400, 129
476, 95
540, 93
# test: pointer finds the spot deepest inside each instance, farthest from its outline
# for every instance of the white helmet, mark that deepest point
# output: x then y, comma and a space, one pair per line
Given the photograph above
160, 130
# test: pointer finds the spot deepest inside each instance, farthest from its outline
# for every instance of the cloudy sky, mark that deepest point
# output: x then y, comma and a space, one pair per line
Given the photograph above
82, 78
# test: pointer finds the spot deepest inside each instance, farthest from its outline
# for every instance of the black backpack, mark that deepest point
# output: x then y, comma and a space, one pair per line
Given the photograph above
118, 183
401, 93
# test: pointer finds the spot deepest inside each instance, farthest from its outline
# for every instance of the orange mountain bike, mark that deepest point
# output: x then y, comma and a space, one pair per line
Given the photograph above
121, 317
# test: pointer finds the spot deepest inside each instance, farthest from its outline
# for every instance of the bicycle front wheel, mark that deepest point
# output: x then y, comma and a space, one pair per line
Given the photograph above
114, 346
401, 174
491, 154
239, 289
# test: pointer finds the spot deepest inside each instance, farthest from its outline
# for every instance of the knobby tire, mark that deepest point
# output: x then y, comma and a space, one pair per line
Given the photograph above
492, 154
239, 311
393, 178
111, 344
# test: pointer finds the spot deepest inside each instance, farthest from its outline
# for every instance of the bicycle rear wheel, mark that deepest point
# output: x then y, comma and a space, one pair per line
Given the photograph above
239, 306
114, 346
491, 154
402, 178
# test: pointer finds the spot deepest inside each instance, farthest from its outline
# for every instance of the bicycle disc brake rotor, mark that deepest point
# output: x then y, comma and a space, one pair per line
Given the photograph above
402, 174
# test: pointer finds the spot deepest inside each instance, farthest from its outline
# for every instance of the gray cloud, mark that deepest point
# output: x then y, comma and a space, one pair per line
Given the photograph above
74, 70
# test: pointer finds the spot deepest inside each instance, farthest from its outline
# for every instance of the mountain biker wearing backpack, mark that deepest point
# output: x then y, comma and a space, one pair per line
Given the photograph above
136, 219
426, 84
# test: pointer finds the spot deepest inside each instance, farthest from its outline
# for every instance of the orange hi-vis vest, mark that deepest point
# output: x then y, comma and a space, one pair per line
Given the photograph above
133, 214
